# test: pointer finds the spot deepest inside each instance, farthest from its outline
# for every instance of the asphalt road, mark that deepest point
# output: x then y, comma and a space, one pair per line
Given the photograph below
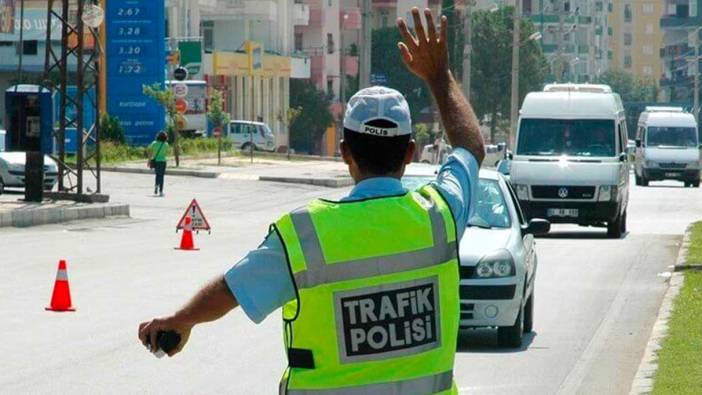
596, 299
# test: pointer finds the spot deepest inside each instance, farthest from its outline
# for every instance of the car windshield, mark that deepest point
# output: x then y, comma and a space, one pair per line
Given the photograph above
490, 211
557, 137
671, 137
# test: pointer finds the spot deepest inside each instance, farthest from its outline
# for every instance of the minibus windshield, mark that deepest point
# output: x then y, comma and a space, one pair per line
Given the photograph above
571, 137
685, 137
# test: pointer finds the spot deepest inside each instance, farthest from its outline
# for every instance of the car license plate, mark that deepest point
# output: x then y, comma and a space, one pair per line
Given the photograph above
672, 174
562, 212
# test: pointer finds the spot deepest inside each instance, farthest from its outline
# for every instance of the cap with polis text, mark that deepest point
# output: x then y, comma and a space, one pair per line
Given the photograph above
378, 103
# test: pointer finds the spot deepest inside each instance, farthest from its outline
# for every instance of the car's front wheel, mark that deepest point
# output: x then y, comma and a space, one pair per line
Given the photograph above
2, 186
511, 336
529, 314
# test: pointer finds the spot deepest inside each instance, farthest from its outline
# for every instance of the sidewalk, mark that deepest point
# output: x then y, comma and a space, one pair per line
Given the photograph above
17, 213
328, 173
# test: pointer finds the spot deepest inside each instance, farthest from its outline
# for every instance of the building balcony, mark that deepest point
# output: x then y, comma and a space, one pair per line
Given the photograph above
353, 19
317, 64
301, 14
300, 67
678, 22
239, 10
351, 65
317, 17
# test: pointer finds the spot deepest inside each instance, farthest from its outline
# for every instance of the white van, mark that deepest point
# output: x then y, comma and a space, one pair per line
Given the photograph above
667, 147
247, 134
570, 163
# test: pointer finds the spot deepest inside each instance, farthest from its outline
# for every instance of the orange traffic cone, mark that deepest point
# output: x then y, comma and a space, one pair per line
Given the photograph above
61, 298
186, 242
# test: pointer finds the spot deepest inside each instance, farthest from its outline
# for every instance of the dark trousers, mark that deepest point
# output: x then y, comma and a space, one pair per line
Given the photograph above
160, 170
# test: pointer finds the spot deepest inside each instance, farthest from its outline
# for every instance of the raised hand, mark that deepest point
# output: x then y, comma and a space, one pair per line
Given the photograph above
426, 55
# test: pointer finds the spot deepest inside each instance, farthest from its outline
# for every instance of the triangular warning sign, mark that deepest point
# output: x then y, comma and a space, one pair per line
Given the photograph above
198, 217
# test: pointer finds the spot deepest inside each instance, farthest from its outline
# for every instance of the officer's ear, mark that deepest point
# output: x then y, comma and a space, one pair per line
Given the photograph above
409, 154
346, 153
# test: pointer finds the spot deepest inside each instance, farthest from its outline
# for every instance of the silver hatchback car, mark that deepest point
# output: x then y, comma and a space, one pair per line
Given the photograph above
498, 259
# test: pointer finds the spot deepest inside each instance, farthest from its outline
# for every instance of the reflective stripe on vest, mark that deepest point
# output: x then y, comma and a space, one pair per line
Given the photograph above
318, 272
419, 386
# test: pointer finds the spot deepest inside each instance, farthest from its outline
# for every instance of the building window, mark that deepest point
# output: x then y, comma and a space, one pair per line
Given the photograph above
207, 35
298, 41
29, 47
598, 6
627, 61
649, 28
648, 8
647, 70
627, 39
330, 43
330, 86
627, 13
647, 50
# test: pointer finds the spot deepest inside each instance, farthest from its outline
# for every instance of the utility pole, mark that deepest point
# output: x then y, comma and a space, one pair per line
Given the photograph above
559, 55
516, 43
365, 67
467, 48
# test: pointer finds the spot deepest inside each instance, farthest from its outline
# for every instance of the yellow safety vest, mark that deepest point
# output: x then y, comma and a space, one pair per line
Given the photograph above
377, 307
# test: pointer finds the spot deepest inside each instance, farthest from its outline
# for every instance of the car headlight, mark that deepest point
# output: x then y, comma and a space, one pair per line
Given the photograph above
608, 192
494, 265
522, 191
650, 163
693, 165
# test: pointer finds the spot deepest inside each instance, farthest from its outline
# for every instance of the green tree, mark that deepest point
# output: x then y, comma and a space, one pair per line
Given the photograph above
111, 130
386, 60
166, 98
629, 87
492, 64
218, 118
308, 128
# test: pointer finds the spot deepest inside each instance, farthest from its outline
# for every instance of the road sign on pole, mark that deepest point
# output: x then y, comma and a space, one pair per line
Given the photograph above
199, 221
180, 74
181, 106
180, 90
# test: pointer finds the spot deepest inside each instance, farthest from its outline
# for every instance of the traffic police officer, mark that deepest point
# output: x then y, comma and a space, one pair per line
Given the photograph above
368, 284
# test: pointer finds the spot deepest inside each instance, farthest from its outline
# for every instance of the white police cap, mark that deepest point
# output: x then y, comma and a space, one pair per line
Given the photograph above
378, 103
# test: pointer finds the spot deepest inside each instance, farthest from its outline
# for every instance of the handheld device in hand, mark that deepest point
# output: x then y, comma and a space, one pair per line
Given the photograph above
166, 341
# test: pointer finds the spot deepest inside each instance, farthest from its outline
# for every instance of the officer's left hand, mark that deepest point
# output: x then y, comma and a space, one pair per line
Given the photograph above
149, 330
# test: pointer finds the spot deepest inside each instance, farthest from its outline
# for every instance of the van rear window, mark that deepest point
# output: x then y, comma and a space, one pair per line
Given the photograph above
571, 137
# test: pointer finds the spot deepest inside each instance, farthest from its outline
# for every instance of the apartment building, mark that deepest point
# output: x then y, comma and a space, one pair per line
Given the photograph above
636, 37
254, 87
681, 23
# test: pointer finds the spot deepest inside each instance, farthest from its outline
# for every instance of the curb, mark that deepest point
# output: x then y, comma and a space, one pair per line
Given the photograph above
54, 215
325, 182
645, 375
169, 172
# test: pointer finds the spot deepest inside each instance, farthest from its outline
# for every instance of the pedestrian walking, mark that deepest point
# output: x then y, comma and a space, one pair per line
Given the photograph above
158, 155
368, 284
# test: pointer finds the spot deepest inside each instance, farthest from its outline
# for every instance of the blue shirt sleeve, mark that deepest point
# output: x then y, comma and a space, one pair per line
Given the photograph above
458, 183
261, 281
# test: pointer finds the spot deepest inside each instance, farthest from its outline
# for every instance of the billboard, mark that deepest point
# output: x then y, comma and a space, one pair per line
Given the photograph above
7, 16
136, 56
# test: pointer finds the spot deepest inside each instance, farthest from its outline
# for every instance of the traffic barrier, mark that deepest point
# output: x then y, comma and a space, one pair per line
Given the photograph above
186, 242
61, 297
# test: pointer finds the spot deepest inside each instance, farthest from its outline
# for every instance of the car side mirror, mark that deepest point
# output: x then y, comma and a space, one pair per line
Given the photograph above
537, 227
623, 157
638, 143
509, 155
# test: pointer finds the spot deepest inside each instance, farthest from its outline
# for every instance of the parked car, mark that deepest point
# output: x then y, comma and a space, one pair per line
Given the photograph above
570, 163
247, 134
667, 147
498, 259
12, 171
